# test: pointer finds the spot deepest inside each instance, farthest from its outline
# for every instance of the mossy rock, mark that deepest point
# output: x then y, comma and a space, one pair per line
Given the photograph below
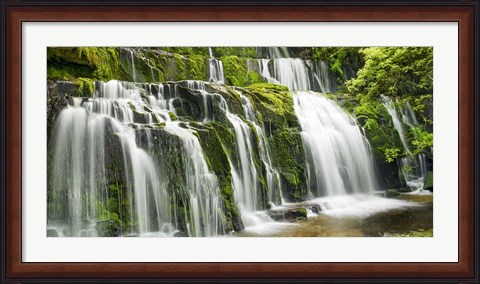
69, 63
217, 158
235, 70
288, 156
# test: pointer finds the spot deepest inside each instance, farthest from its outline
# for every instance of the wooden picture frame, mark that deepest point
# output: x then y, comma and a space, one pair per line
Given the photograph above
14, 13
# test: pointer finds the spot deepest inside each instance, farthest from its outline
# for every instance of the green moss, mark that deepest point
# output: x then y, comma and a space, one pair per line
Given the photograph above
225, 135
65, 71
254, 77
275, 104
197, 67
113, 215
235, 70
217, 159
86, 87
267, 87
173, 117
180, 73
288, 157
246, 52
101, 63
187, 51
106, 61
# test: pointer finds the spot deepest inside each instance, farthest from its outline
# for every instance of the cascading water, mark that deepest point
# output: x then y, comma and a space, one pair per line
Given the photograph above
413, 167
215, 69
295, 73
202, 185
244, 171
338, 161
337, 154
78, 174
273, 177
132, 57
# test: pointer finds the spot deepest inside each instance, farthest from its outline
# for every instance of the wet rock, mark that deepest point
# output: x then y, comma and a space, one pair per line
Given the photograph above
288, 214
181, 234
392, 193
237, 224
315, 208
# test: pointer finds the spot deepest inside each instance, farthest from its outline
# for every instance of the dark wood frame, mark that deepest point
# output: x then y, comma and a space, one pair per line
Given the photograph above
15, 12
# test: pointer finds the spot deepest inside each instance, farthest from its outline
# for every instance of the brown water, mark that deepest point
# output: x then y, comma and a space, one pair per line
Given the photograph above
415, 221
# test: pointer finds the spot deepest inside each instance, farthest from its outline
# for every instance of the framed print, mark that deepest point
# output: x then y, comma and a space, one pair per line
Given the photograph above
232, 141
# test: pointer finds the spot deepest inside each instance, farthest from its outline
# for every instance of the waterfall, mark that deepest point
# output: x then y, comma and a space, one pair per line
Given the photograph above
397, 124
201, 183
144, 184
414, 168
244, 171
215, 69
134, 76
78, 173
278, 52
295, 73
273, 177
337, 154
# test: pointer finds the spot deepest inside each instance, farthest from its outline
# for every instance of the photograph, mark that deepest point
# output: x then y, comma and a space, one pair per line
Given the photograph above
239, 141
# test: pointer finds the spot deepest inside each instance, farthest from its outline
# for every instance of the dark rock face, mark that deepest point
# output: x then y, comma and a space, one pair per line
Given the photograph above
237, 223
56, 101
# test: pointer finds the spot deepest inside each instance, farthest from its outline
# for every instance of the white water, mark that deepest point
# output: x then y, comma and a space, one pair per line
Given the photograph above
337, 154
215, 69
413, 167
359, 205
295, 73
245, 173
273, 177
201, 183
78, 172
134, 75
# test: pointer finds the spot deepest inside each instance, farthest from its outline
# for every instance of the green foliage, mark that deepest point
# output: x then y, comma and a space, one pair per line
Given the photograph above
338, 58
394, 71
391, 154
405, 74
421, 139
